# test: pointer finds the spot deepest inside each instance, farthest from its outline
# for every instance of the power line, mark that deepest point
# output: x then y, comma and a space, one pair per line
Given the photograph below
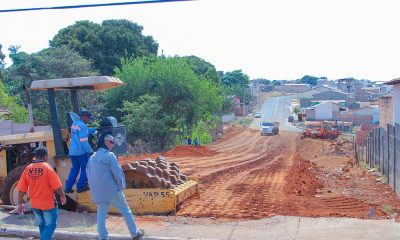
89, 5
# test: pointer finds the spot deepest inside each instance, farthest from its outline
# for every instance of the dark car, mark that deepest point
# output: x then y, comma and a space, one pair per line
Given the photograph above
290, 119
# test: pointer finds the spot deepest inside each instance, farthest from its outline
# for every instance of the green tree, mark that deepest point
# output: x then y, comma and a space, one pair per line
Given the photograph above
50, 63
185, 98
235, 77
144, 118
297, 110
241, 91
18, 113
236, 83
14, 49
2, 62
307, 79
203, 68
262, 81
106, 43
276, 83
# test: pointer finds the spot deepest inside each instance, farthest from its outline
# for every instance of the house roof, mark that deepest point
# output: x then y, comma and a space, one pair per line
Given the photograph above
321, 104
320, 89
372, 108
295, 84
393, 82
332, 101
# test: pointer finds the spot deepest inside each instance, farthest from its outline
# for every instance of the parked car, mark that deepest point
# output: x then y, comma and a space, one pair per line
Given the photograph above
290, 119
257, 115
269, 128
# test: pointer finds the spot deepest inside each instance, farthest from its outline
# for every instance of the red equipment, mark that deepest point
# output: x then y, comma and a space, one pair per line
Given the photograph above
324, 132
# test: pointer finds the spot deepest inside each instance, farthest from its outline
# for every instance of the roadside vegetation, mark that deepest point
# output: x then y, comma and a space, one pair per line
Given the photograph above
164, 100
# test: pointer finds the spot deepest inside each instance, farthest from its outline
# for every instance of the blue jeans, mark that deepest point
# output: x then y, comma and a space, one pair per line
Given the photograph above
79, 163
47, 221
120, 203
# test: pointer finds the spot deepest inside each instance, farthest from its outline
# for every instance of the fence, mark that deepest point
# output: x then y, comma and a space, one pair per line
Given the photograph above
381, 150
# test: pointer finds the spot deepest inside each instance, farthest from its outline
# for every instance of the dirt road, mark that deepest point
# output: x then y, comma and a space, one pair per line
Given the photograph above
247, 176
252, 177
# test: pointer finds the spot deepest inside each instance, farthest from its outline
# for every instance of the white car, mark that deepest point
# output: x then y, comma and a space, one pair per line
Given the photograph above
269, 128
257, 115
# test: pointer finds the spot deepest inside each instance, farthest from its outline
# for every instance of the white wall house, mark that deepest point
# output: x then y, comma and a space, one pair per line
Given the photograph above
396, 99
322, 111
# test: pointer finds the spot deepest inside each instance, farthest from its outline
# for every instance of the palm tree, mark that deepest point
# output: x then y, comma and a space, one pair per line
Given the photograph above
14, 49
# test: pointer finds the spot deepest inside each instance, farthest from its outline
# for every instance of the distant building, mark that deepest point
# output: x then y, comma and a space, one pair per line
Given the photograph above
323, 94
293, 87
385, 110
266, 88
323, 111
395, 99
366, 115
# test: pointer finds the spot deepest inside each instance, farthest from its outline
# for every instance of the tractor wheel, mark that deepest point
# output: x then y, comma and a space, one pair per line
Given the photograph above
9, 195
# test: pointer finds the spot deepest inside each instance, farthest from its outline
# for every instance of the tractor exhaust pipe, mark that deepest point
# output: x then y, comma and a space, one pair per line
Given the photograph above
28, 97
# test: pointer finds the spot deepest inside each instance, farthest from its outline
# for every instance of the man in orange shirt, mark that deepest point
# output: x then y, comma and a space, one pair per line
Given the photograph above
42, 181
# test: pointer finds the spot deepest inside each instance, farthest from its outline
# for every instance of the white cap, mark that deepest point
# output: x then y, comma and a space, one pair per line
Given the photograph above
109, 137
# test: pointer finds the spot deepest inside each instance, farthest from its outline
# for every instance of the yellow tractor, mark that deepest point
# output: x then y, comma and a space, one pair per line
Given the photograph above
153, 186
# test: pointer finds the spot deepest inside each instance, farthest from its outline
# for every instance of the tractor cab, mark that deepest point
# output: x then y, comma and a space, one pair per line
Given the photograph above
97, 83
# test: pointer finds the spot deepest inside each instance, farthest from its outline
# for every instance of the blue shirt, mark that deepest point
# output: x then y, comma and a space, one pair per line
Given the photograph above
105, 176
79, 143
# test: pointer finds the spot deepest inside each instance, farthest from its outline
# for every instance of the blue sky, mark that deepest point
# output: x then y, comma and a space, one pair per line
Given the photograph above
283, 39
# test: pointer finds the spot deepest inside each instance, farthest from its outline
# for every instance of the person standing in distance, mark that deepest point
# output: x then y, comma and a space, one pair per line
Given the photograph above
107, 181
79, 151
42, 181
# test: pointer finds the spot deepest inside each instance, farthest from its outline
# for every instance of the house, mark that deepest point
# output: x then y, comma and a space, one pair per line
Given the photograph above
395, 99
365, 115
322, 94
293, 87
310, 93
323, 111
385, 110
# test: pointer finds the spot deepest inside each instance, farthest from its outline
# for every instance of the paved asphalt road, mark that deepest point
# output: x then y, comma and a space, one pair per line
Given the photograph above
277, 109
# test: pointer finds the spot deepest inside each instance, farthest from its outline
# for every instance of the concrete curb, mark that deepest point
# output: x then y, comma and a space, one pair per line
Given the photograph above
25, 233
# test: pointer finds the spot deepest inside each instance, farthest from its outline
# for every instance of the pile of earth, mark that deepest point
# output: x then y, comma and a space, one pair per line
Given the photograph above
190, 151
178, 151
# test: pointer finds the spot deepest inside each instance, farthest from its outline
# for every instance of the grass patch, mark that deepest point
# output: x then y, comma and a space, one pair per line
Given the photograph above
388, 209
241, 122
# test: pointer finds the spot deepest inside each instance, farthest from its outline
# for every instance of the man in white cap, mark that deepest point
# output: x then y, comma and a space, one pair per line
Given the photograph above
106, 182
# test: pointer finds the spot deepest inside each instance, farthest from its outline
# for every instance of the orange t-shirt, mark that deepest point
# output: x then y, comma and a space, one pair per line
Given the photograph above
42, 180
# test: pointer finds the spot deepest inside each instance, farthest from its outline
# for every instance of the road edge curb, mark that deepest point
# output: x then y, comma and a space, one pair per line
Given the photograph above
17, 232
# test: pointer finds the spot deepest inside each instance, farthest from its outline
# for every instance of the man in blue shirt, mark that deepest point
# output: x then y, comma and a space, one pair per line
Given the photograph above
107, 182
79, 151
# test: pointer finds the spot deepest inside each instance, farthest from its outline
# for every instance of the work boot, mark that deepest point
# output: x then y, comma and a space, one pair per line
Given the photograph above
139, 235
84, 189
